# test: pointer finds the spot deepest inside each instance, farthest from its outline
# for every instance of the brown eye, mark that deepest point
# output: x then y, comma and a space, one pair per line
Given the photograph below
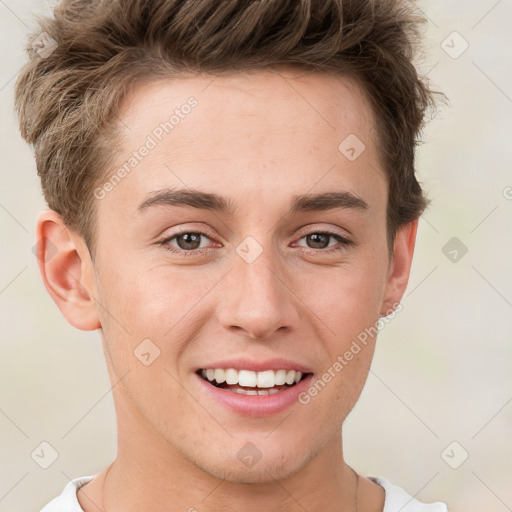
189, 241
186, 243
318, 240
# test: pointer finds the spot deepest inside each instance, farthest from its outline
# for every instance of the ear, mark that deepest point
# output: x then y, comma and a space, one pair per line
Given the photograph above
67, 271
399, 267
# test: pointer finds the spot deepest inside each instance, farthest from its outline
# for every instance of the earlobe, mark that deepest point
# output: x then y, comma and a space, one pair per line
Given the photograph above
67, 271
400, 266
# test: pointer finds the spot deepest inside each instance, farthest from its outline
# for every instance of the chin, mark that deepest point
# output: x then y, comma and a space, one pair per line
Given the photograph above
265, 470
260, 475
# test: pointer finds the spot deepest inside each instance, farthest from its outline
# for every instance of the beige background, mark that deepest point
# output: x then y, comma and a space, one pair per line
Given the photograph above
442, 367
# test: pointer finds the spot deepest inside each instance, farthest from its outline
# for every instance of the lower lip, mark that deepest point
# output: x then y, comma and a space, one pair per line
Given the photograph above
257, 405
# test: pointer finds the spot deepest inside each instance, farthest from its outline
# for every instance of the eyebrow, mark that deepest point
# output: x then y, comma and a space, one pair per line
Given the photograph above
216, 203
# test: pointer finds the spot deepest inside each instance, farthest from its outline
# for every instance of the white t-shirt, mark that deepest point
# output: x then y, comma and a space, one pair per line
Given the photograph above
397, 500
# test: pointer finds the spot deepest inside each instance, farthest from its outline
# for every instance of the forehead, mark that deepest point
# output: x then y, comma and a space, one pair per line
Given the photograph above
287, 98
281, 130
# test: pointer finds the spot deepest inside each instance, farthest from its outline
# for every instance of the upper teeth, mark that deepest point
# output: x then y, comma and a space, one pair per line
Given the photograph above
248, 378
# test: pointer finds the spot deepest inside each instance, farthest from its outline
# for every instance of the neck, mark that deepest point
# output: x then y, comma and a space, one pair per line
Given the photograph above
150, 473
154, 476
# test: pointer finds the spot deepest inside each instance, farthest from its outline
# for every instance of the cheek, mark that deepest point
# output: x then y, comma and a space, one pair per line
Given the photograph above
346, 298
147, 297
349, 305
156, 304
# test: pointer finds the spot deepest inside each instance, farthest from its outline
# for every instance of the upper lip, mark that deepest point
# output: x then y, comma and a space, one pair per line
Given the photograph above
244, 363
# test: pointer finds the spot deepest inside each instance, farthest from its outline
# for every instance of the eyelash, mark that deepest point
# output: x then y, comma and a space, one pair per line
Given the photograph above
343, 243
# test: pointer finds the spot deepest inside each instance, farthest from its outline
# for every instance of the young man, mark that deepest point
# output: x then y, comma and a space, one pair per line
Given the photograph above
232, 203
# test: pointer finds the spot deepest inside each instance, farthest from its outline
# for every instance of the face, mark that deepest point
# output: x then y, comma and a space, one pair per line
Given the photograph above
257, 275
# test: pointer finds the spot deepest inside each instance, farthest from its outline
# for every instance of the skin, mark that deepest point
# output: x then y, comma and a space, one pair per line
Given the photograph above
257, 138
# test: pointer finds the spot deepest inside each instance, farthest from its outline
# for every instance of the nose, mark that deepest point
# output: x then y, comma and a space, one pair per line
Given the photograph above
258, 298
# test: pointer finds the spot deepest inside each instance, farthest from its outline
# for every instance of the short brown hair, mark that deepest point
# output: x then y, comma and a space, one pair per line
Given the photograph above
67, 100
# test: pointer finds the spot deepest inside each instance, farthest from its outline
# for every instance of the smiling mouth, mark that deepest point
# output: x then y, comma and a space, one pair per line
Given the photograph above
247, 382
